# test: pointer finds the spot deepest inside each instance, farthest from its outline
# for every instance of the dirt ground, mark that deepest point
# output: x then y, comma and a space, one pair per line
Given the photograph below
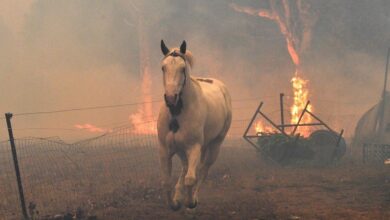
241, 186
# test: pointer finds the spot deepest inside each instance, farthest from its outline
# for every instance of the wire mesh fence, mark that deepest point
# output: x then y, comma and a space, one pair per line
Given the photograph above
375, 152
59, 177
9, 201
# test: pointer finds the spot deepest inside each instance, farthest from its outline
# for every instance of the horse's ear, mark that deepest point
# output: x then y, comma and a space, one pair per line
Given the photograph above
183, 47
164, 48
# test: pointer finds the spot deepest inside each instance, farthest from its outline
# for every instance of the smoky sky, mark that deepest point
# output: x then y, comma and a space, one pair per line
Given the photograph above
75, 53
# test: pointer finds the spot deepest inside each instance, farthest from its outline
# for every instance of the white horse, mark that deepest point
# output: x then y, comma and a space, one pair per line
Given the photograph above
192, 123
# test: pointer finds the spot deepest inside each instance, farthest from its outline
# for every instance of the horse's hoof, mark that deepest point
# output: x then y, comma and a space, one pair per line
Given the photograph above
192, 205
175, 206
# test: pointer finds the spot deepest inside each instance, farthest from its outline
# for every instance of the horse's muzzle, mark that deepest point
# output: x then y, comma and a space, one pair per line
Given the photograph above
171, 100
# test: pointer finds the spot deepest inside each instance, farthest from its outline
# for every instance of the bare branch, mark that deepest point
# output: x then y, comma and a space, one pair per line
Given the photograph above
252, 11
134, 7
128, 23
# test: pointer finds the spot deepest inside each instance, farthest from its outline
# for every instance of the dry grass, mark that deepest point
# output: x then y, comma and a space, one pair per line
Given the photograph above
121, 182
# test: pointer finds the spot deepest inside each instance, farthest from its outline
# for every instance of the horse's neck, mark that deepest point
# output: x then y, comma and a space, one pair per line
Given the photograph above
190, 93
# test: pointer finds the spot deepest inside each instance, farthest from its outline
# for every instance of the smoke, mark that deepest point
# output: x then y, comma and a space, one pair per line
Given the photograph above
295, 20
75, 53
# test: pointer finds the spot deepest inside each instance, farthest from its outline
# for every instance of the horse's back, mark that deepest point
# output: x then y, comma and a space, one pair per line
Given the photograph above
219, 107
215, 91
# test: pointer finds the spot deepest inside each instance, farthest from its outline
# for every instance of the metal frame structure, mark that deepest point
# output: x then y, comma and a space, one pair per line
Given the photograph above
281, 127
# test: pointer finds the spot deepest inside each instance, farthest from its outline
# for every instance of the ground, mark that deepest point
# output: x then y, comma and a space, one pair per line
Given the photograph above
242, 186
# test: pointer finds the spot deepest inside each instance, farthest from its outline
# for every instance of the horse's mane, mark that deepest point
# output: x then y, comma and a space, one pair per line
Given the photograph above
188, 56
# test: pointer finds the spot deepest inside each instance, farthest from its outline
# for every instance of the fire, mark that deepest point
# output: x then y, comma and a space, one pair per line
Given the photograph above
92, 128
301, 94
142, 121
261, 128
295, 20
142, 125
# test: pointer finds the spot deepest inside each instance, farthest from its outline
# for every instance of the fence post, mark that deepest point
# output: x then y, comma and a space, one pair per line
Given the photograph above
281, 111
8, 117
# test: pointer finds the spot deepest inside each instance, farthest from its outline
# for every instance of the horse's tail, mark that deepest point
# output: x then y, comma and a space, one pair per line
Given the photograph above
228, 103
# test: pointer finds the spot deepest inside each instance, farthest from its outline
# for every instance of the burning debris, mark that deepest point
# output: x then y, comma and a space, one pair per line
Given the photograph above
260, 128
295, 20
282, 144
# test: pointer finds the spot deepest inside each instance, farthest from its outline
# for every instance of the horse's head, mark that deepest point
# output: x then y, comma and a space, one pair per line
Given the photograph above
175, 67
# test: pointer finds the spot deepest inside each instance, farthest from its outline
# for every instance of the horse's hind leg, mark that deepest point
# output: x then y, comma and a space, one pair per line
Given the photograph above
210, 157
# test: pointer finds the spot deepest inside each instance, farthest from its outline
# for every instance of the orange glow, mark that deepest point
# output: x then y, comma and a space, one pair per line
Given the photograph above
301, 94
92, 128
142, 121
295, 21
142, 125
251, 11
296, 44
261, 128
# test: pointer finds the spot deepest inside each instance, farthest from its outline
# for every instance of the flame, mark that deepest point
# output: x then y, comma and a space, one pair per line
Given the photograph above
142, 125
142, 121
301, 94
295, 21
261, 128
92, 128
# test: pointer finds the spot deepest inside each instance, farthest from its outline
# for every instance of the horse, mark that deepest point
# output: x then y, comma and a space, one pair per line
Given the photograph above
192, 124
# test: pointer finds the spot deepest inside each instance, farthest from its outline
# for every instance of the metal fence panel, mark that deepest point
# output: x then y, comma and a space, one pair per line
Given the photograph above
60, 177
9, 200
375, 152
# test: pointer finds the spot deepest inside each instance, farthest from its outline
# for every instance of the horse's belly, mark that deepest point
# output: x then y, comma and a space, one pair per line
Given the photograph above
219, 111
215, 123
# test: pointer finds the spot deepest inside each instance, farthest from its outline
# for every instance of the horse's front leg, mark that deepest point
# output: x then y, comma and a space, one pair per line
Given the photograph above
179, 188
166, 171
194, 156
